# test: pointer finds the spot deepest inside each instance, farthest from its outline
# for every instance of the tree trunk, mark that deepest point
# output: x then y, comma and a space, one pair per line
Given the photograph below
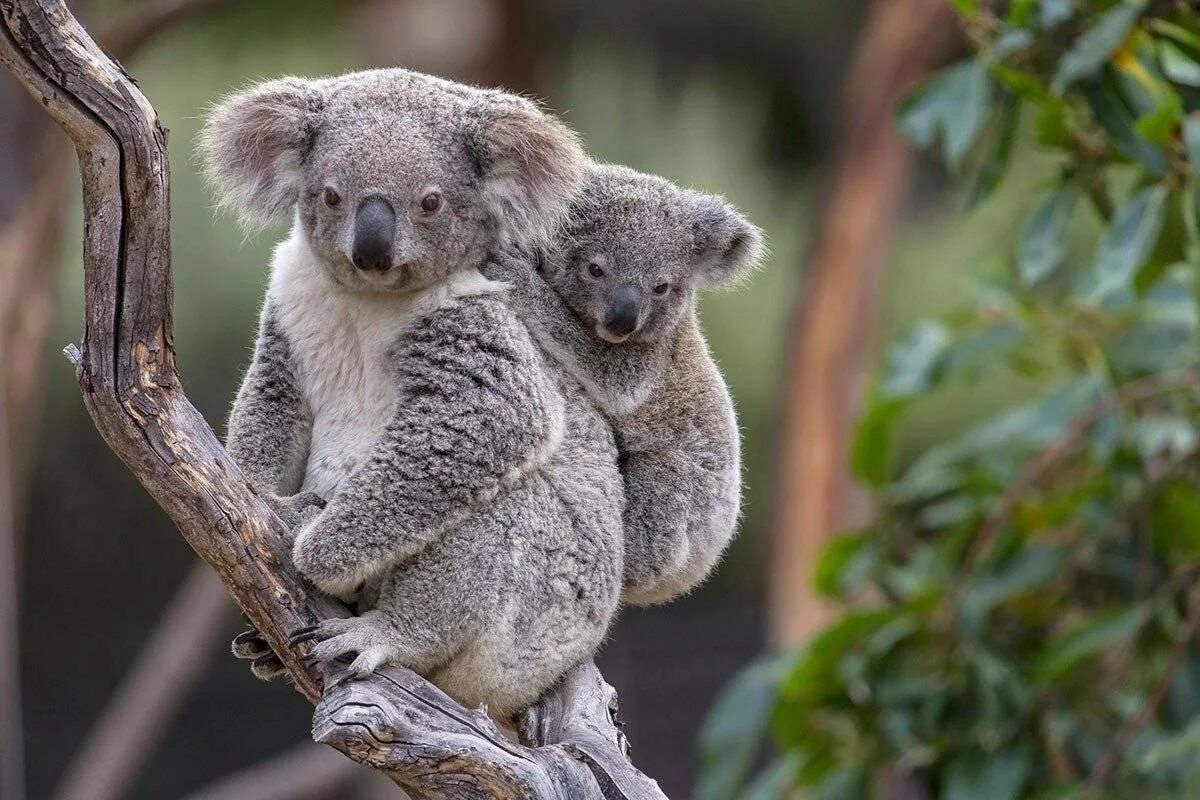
833, 327
393, 720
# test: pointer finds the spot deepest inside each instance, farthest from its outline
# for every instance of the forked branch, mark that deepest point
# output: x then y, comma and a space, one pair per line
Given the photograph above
395, 720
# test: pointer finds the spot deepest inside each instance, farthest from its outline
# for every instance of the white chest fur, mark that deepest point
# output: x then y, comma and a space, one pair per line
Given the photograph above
342, 343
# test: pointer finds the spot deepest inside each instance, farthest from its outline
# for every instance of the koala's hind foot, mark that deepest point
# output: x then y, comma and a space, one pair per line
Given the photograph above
371, 636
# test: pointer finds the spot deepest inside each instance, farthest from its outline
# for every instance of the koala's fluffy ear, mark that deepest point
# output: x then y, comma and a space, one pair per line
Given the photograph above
531, 163
728, 246
253, 144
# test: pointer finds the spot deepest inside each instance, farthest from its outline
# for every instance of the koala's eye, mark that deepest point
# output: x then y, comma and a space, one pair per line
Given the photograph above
331, 197
662, 288
595, 270
431, 202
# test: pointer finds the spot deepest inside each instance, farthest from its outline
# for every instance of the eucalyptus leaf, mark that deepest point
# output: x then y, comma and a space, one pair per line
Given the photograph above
1094, 48
1052, 13
733, 731
912, 362
1086, 640
1129, 241
952, 106
1191, 139
773, 781
1178, 64
975, 775
999, 153
1043, 245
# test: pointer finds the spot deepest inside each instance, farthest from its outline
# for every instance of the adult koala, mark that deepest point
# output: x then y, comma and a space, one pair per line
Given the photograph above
474, 501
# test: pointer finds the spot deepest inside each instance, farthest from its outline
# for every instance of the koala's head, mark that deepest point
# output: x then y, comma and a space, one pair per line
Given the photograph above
637, 247
398, 179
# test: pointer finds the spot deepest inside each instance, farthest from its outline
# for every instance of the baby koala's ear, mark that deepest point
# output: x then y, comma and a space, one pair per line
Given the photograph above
727, 246
531, 163
253, 144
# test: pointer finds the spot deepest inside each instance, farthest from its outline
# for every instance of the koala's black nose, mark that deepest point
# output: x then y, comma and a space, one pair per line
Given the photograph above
374, 229
622, 314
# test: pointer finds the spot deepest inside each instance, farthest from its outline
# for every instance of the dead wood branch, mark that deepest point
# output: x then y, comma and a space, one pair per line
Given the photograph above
833, 328
394, 720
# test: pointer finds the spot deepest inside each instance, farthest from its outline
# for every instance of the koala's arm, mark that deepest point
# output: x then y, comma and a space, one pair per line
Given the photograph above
476, 412
270, 426
680, 457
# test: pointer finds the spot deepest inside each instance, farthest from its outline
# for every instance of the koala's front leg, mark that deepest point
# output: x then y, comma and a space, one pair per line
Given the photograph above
270, 426
476, 413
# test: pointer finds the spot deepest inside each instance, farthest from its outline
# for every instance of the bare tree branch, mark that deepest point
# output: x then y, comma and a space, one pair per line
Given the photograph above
177, 652
833, 327
393, 720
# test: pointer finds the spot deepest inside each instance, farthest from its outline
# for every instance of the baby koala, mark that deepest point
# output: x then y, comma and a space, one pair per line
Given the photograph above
613, 299
469, 490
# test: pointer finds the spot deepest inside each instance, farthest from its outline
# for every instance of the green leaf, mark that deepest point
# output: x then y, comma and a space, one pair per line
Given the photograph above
1000, 153
952, 106
1191, 140
1093, 49
912, 362
1175, 520
1067, 651
1112, 111
1043, 245
1173, 436
837, 560
772, 782
1009, 42
1159, 125
1129, 241
1052, 13
1183, 746
975, 775
965, 7
733, 730
874, 440
1178, 64
1177, 33
1026, 570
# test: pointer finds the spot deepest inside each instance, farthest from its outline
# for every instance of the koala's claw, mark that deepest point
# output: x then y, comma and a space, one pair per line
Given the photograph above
250, 644
374, 640
306, 634
267, 667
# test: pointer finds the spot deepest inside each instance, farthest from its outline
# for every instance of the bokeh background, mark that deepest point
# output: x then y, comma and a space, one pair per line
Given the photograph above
746, 98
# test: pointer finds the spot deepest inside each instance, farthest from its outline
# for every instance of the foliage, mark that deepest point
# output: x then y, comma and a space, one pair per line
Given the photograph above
1020, 615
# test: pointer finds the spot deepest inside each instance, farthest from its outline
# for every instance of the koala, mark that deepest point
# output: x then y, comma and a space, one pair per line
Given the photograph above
440, 469
613, 298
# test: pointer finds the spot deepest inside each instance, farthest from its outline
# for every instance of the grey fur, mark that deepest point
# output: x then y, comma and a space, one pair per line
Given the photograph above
474, 500
675, 422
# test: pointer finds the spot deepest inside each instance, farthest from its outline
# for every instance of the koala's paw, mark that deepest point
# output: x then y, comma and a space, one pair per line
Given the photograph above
296, 509
320, 560
250, 645
375, 641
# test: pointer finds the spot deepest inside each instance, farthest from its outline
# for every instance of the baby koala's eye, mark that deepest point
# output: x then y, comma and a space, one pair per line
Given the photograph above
331, 197
662, 288
431, 202
595, 270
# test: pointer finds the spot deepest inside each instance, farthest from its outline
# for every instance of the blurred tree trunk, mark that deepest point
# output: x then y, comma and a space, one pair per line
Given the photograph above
834, 324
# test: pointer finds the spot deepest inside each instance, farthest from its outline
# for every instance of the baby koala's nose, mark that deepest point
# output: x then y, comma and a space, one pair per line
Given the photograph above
374, 229
622, 315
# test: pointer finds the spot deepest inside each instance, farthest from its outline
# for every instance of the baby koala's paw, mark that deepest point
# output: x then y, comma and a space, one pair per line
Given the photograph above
375, 641
296, 509
328, 567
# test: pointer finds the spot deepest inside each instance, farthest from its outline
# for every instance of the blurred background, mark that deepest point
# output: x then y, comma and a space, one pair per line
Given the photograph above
120, 683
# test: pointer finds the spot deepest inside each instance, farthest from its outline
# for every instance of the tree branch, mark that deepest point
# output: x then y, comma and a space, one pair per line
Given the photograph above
394, 720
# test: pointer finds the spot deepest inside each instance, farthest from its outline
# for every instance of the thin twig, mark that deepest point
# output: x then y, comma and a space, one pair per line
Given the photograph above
1146, 714
1040, 465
